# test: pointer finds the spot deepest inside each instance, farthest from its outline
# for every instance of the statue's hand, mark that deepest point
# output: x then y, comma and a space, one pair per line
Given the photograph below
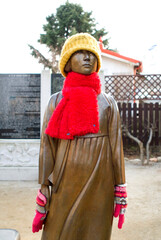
120, 203
40, 215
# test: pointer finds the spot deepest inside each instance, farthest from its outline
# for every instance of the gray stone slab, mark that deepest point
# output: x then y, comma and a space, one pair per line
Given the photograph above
20, 106
9, 234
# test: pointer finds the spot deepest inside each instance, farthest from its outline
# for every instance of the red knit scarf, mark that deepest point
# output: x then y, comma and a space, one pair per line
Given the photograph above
77, 112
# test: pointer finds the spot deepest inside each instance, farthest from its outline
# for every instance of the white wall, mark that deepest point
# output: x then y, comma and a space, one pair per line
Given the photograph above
114, 67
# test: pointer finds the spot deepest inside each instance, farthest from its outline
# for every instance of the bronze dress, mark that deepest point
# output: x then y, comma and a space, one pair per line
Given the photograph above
82, 174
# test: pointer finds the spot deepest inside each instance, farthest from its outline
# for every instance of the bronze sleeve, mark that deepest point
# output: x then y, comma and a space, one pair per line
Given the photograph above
115, 137
47, 146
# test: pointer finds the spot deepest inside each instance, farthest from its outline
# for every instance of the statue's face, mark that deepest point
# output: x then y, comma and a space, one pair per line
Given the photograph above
83, 62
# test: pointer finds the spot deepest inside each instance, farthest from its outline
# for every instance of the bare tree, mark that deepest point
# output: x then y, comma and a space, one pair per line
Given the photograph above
140, 143
47, 64
141, 147
148, 144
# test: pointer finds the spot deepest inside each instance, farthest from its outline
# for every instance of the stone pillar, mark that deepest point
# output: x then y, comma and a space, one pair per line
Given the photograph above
102, 78
45, 91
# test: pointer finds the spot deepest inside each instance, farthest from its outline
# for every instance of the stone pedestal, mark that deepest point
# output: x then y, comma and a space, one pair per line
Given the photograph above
19, 159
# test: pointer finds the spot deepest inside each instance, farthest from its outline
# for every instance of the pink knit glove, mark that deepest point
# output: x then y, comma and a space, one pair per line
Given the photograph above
40, 212
38, 221
120, 203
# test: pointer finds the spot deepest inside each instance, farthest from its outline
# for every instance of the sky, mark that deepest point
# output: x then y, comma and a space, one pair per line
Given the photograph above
133, 28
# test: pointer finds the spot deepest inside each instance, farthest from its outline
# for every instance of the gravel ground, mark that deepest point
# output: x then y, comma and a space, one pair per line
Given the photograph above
143, 220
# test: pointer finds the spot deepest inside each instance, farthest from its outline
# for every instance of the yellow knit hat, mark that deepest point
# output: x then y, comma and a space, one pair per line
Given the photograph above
79, 41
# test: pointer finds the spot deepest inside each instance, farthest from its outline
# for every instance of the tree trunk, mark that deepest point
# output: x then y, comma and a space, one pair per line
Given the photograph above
147, 145
138, 142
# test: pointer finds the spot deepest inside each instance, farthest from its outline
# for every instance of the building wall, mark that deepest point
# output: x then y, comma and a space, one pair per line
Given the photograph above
114, 67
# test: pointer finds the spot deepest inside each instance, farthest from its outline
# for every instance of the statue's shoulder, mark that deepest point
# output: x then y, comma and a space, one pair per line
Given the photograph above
53, 102
109, 98
55, 99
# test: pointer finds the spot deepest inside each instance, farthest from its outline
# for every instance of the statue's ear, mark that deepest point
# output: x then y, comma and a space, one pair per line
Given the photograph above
68, 67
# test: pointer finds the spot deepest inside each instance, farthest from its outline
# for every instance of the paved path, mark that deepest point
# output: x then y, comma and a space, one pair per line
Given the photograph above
143, 217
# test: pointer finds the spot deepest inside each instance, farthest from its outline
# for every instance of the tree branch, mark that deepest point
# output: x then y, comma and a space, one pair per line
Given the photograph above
126, 131
148, 143
41, 58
